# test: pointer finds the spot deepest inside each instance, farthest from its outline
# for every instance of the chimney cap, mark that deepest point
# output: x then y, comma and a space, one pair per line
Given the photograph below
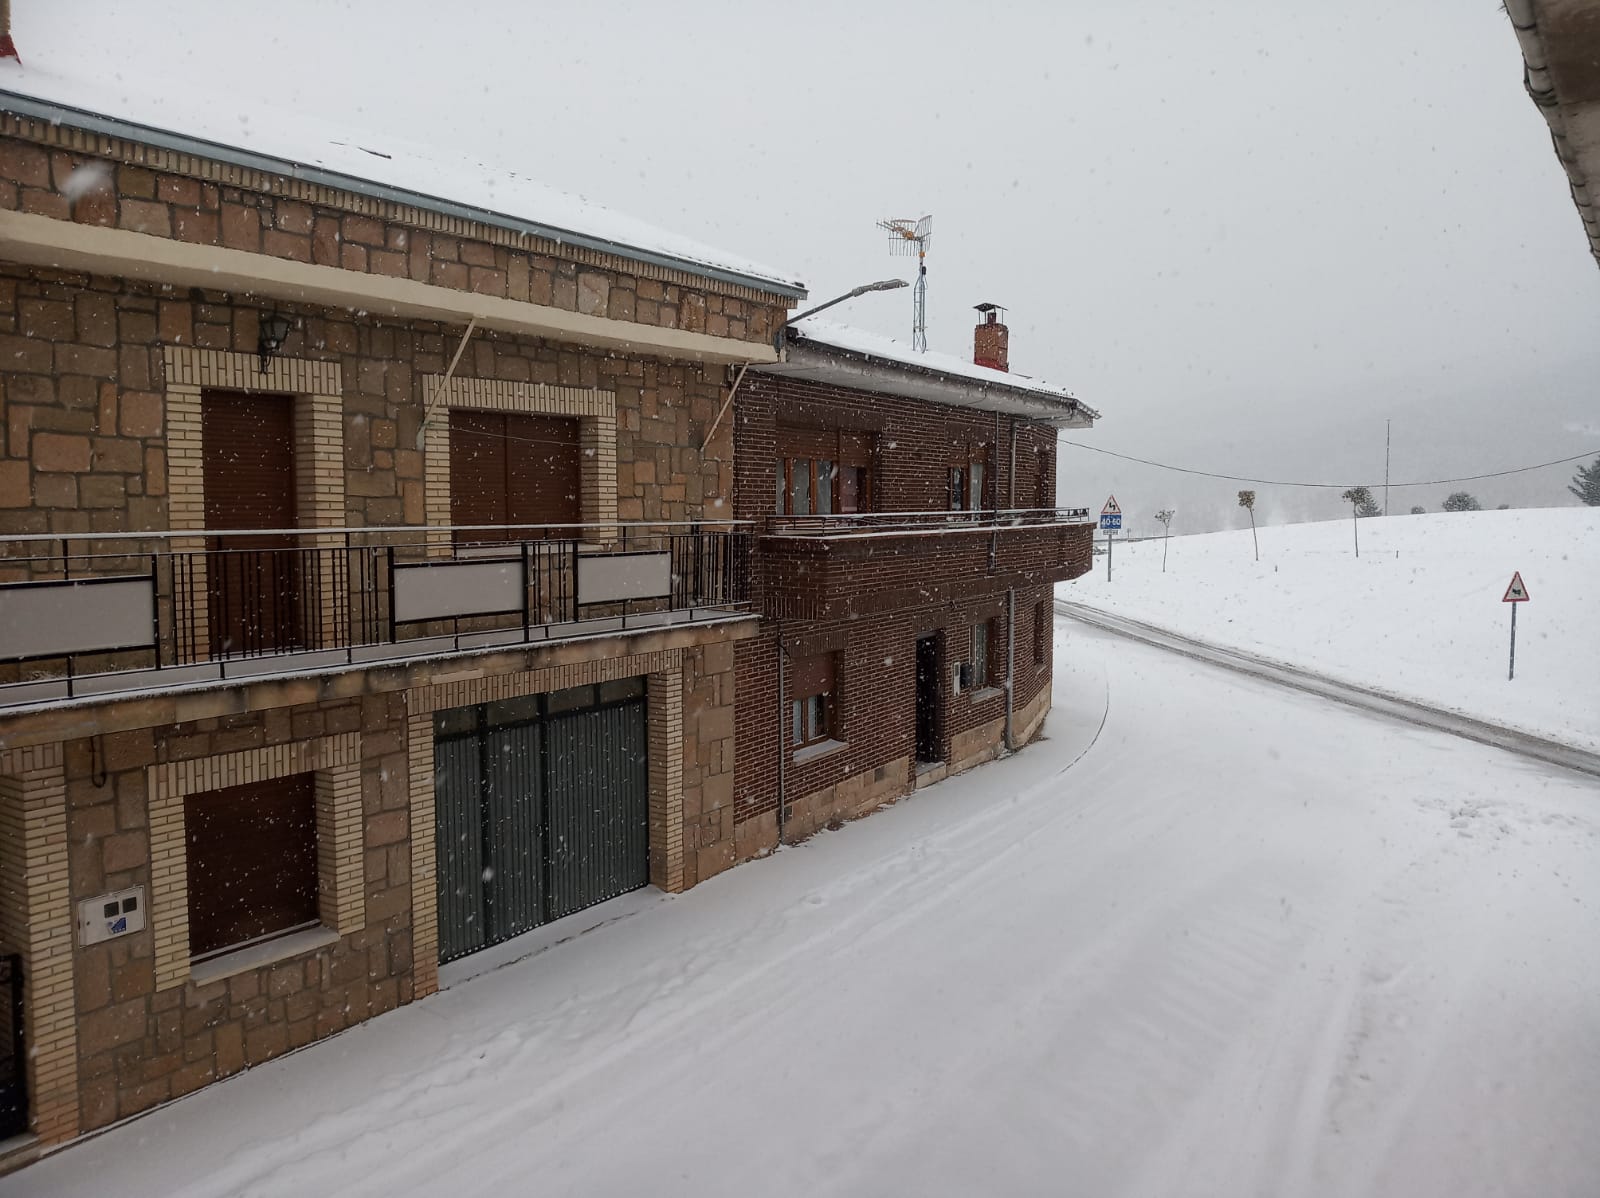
988, 307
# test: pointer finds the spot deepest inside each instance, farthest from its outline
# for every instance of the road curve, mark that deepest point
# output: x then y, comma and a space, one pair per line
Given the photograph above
1409, 710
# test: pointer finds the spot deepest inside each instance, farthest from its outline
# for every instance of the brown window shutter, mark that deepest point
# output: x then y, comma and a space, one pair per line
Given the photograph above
856, 448
254, 584
808, 443
544, 467
811, 676
477, 472
251, 861
247, 451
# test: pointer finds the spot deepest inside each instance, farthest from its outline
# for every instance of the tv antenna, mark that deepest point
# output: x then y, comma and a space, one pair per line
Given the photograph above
913, 237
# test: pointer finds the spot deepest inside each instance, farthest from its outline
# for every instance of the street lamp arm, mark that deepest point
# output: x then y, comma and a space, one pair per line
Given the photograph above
880, 285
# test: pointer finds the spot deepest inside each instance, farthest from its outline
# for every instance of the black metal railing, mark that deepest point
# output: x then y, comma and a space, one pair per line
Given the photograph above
78, 613
13, 1058
836, 524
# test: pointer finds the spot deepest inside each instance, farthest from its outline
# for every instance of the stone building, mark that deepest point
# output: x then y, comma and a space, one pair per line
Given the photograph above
908, 541
370, 591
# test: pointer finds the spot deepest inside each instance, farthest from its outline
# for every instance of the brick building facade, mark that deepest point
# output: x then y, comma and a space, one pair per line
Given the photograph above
386, 575
909, 543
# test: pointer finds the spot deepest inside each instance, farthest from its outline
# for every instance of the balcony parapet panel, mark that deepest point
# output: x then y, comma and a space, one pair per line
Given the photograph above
92, 614
850, 565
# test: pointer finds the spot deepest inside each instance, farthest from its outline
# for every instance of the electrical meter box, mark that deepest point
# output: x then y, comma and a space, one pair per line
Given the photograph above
108, 916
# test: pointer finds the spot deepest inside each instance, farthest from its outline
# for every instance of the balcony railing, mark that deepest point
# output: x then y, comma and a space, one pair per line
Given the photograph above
93, 614
900, 523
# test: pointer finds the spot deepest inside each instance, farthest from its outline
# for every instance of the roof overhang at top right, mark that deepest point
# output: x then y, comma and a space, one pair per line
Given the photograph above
1561, 55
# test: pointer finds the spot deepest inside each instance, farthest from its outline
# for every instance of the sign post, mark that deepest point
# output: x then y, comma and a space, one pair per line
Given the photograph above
1515, 593
1110, 522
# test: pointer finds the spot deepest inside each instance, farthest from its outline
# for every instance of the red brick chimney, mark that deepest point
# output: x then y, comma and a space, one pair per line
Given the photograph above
8, 48
991, 340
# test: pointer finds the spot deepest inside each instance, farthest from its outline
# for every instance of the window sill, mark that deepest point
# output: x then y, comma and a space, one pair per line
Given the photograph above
985, 693
269, 952
821, 749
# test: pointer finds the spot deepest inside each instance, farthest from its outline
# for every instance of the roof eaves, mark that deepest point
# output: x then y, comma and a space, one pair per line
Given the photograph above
1066, 408
109, 126
1542, 87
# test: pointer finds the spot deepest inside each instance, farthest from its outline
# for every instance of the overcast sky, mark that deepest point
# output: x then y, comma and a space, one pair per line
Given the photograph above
1246, 233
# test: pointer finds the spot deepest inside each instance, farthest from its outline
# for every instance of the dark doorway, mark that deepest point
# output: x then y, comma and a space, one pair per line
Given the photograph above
254, 584
928, 699
13, 1055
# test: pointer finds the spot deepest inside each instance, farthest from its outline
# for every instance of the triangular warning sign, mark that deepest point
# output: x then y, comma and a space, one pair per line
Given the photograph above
1111, 508
1516, 592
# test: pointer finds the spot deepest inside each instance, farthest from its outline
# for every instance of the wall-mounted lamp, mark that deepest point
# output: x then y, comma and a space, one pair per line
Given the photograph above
274, 332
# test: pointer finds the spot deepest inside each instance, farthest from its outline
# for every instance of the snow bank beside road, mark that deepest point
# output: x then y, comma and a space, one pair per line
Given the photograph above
1418, 614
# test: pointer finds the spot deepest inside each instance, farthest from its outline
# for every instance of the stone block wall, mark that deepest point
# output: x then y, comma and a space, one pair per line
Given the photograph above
141, 1042
164, 194
84, 375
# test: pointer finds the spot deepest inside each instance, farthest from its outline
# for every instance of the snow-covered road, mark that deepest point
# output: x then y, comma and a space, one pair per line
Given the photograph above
1251, 943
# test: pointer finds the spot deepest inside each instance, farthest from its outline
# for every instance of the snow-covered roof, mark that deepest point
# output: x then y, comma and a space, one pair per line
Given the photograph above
168, 114
986, 388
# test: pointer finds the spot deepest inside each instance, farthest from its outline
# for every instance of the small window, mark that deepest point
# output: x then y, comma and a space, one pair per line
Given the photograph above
811, 699
958, 488
251, 861
975, 487
1041, 632
981, 639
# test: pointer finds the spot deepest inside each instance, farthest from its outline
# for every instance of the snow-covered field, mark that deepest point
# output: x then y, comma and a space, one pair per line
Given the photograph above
1212, 937
1417, 615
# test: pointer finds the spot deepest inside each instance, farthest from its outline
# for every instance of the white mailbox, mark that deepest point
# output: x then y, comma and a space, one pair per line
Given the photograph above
107, 916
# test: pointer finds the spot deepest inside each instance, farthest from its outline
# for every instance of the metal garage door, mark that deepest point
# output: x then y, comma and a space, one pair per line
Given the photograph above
542, 810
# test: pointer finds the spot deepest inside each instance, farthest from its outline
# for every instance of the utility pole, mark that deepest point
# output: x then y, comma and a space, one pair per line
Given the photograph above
1386, 467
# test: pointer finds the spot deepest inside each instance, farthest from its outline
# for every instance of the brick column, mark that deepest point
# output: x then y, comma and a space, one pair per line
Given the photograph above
424, 858
36, 919
665, 705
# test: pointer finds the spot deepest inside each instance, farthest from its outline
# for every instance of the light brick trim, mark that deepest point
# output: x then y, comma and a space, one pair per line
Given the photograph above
225, 174
336, 760
664, 670
595, 411
665, 702
318, 391
36, 922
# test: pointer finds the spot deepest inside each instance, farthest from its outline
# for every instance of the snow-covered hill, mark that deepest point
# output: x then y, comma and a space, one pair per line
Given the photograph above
1418, 614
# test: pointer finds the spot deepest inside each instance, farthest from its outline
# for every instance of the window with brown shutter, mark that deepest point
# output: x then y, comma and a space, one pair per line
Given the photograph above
822, 471
811, 699
251, 861
514, 468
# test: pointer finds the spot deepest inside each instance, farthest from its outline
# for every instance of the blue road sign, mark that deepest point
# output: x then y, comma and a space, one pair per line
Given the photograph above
1110, 522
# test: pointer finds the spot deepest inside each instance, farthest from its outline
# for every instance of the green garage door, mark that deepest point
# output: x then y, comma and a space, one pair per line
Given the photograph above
542, 810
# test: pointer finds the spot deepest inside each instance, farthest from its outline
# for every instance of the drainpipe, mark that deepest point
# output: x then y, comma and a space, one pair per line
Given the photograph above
1011, 472
1011, 663
783, 717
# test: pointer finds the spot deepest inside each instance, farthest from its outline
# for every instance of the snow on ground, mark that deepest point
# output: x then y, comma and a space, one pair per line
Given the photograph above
1417, 615
1235, 941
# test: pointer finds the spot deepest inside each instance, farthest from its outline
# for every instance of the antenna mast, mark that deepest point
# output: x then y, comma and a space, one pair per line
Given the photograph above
913, 237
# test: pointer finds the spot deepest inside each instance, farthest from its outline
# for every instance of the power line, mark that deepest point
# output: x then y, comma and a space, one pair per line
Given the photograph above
1270, 482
